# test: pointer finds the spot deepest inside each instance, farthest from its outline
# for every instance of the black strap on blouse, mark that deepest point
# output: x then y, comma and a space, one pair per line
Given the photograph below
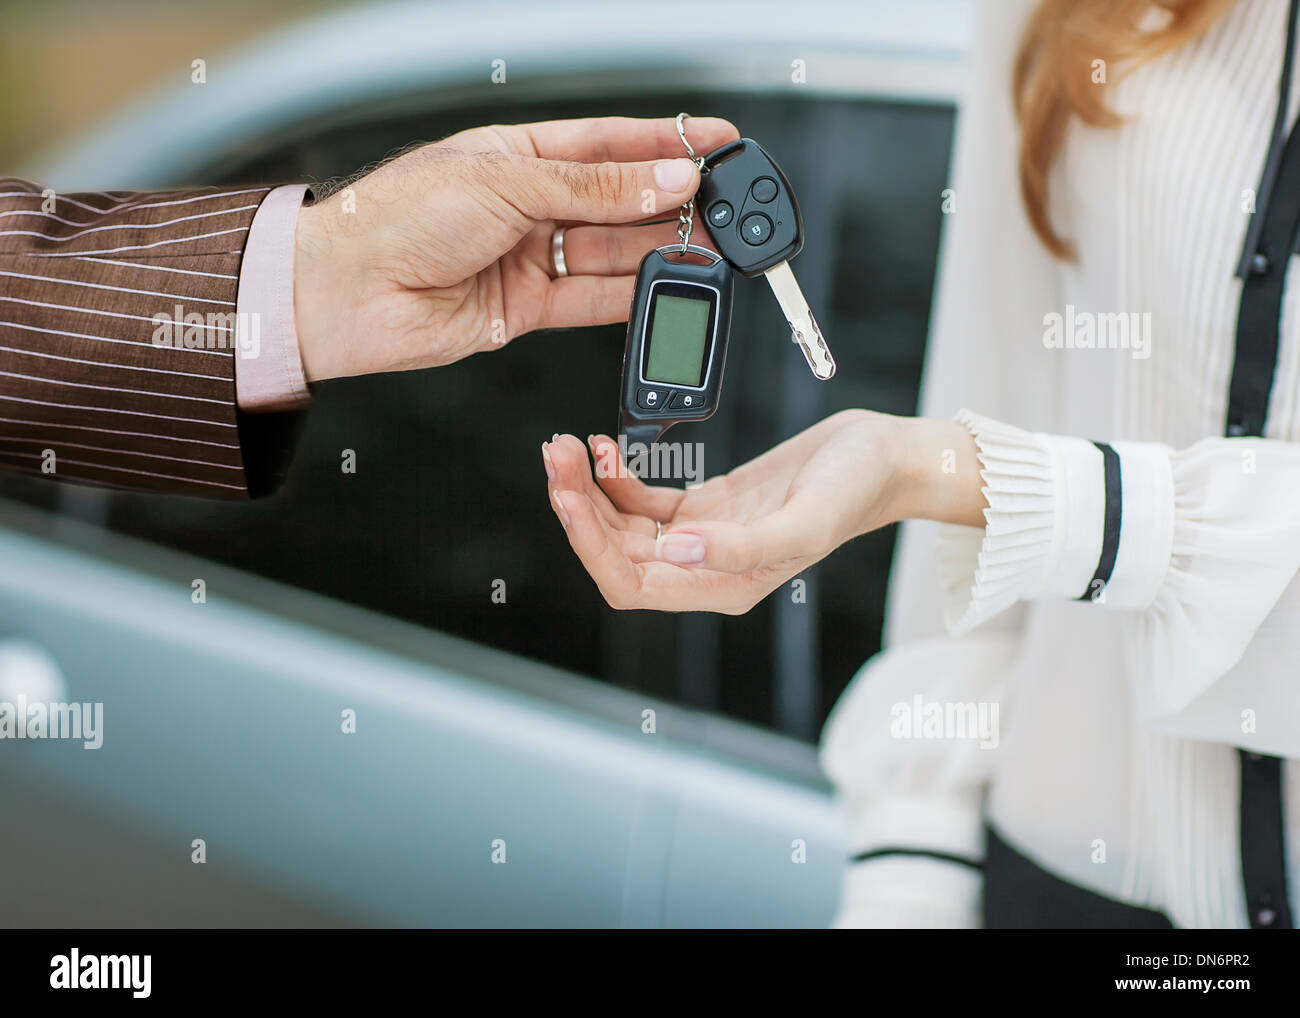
1111, 524
1270, 242
919, 853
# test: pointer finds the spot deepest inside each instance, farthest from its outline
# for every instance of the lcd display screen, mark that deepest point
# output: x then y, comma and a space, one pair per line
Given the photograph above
679, 337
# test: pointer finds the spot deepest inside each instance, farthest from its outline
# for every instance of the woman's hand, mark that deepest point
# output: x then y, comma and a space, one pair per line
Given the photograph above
446, 250
727, 544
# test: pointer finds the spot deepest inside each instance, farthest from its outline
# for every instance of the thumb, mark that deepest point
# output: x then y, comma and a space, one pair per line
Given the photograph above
787, 535
610, 192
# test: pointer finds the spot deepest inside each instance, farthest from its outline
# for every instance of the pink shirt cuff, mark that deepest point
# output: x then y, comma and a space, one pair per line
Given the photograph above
268, 365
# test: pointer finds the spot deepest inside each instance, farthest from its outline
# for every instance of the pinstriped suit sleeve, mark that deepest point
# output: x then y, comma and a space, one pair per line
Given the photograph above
92, 390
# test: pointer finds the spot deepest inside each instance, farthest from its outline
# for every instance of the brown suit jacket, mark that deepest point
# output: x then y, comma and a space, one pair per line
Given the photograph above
88, 393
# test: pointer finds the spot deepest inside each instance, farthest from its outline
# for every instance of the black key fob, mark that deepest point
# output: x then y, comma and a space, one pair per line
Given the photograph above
676, 343
749, 207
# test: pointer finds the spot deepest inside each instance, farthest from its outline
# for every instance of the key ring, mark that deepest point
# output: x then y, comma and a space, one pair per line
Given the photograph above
690, 150
694, 249
686, 217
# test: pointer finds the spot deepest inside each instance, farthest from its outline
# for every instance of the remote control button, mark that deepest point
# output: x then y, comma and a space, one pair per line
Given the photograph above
764, 189
720, 213
686, 401
756, 228
651, 399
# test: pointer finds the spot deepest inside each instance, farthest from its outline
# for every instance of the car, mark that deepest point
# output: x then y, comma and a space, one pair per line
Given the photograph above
519, 753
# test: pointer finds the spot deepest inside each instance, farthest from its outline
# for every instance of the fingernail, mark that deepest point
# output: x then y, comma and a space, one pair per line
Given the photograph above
559, 508
555, 437
546, 459
674, 174
683, 549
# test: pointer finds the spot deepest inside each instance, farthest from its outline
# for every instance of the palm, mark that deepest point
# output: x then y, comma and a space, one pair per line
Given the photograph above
763, 523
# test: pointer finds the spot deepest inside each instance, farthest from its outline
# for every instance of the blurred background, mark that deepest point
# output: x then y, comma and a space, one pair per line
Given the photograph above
477, 720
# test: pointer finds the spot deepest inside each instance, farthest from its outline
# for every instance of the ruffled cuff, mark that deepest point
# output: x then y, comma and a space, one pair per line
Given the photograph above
1049, 531
910, 892
922, 869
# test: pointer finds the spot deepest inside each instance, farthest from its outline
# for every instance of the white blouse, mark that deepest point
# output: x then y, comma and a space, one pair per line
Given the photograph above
1113, 764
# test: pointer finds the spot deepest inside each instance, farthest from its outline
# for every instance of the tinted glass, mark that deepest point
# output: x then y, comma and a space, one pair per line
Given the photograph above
448, 496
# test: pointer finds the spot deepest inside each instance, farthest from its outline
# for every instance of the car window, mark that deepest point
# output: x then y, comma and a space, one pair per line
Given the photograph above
447, 502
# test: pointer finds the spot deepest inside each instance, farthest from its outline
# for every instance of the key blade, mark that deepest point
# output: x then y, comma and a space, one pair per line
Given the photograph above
804, 329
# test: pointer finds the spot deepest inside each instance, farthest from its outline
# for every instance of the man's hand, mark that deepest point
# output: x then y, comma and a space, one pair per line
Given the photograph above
730, 542
447, 249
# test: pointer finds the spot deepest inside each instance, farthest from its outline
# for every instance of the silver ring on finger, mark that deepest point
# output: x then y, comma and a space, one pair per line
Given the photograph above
557, 252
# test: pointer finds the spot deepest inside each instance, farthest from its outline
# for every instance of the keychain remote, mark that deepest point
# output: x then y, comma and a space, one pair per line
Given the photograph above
753, 218
676, 342
680, 320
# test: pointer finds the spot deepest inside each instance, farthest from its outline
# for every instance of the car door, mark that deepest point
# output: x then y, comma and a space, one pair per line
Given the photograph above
391, 696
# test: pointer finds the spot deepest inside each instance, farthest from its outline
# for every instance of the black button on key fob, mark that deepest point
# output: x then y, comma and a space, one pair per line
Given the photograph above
753, 218
749, 207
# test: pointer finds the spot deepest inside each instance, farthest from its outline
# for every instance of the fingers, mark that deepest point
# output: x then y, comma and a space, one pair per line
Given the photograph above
693, 567
712, 565
606, 192
566, 464
624, 139
567, 470
575, 301
773, 542
610, 555
796, 531
593, 541
625, 583
629, 493
613, 250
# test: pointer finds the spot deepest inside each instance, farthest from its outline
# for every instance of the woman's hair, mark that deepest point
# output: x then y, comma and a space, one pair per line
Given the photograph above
1057, 76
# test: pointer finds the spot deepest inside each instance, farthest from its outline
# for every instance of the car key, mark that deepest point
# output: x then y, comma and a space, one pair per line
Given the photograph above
676, 346
753, 218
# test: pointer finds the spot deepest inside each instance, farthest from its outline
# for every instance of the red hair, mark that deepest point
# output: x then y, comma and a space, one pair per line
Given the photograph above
1058, 76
